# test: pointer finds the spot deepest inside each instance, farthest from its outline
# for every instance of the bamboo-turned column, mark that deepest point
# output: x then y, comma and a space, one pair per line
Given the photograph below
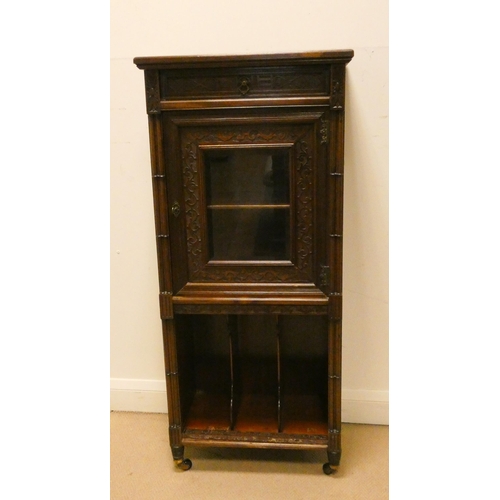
164, 269
279, 328
335, 228
172, 380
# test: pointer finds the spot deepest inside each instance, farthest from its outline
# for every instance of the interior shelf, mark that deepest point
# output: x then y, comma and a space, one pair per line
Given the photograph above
256, 413
304, 414
209, 412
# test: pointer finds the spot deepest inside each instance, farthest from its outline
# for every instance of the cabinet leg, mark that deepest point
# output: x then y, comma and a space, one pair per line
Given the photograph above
332, 465
179, 460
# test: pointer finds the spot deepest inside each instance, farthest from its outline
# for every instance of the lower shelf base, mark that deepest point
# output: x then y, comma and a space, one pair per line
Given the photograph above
301, 414
237, 439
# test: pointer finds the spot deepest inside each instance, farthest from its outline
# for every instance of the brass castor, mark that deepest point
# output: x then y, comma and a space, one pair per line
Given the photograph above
183, 464
329, 469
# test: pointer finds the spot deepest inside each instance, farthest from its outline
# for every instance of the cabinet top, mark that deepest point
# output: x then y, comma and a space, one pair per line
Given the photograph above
165, 62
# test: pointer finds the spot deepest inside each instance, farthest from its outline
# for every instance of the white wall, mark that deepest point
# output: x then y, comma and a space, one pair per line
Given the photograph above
151, 27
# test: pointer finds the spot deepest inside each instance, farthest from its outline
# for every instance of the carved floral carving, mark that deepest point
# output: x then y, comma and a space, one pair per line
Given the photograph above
152, 92
216, 84
192, 204
337, 95
324, 130
337, 88
304, 206
255, 437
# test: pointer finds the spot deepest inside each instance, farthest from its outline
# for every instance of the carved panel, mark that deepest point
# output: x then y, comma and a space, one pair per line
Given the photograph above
257, 82
337, 88
254, 437
192, 204
251, 274
337, 95
309, 82
304, 196
182, 86
324, 130
302, 139
152, 91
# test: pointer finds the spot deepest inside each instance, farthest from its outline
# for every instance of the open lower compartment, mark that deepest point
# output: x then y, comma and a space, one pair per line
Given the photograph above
253, 373
304, 375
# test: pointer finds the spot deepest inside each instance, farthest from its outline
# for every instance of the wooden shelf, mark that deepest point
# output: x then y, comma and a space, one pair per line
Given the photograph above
209, 412
304, 414
244, 298
301, 414
256, 413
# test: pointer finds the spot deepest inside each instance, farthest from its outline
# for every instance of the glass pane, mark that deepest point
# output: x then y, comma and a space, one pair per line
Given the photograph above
249, 233
247, 176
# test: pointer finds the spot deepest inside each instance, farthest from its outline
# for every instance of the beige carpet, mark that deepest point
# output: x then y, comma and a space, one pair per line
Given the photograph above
142, 467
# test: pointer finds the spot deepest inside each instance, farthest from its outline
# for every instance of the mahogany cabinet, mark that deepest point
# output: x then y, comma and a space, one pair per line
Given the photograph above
247, 172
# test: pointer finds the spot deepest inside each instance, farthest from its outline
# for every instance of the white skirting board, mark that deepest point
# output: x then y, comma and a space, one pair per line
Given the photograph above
149, 396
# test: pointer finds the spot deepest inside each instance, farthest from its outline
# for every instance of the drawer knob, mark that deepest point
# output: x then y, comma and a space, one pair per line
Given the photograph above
244, 86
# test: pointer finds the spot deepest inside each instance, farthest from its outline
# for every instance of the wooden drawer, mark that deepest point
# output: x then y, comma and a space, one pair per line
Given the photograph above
250, 82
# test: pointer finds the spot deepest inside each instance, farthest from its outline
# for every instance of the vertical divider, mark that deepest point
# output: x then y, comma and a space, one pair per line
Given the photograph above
279, 326
232, 324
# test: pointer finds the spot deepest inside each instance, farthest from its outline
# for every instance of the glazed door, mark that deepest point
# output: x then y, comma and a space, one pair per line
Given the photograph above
246, 196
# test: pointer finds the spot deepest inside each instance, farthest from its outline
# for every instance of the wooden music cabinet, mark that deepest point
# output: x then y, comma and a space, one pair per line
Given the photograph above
247, 172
